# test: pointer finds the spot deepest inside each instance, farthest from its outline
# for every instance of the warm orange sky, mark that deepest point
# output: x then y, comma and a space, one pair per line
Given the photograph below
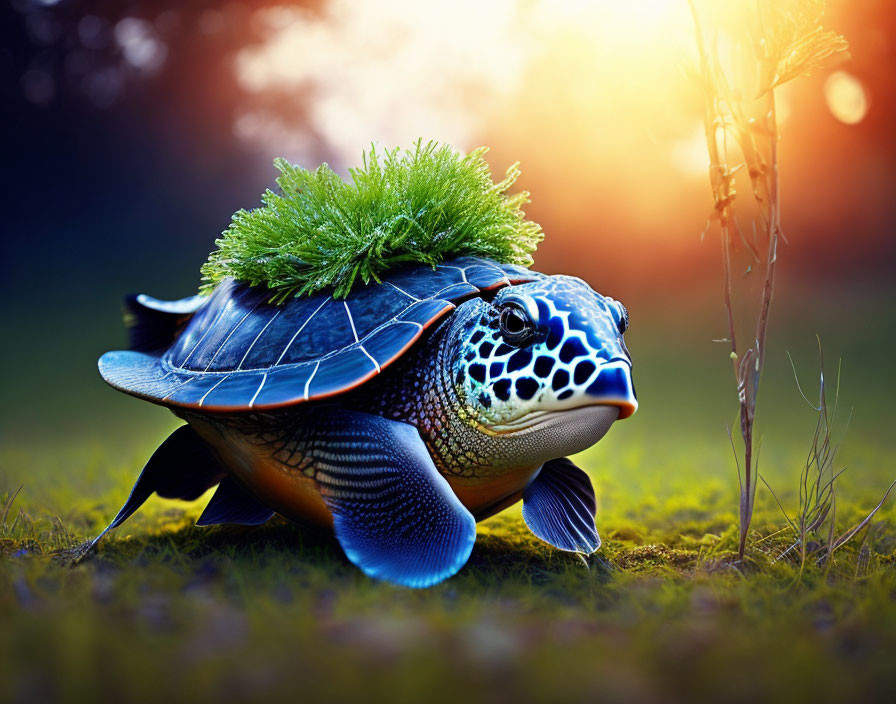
596, 101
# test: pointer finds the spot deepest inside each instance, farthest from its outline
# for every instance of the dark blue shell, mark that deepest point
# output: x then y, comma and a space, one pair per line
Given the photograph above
239, 352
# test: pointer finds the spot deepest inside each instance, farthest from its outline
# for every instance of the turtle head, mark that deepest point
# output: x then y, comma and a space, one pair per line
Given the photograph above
546, 355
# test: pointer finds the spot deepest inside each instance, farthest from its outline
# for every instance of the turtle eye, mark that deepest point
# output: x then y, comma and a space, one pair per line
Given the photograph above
517, 327
621, 317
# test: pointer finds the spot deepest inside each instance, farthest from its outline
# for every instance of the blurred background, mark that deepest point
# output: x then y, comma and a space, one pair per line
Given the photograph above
132, 130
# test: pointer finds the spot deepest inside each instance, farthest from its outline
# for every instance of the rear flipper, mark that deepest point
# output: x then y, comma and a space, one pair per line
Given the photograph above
153, 324
182, 467
559, 507
232, 504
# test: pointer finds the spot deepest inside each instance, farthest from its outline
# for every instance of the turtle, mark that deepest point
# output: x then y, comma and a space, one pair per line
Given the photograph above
397, 417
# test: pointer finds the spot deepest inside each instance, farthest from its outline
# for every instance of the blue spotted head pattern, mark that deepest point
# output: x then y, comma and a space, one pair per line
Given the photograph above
540, 350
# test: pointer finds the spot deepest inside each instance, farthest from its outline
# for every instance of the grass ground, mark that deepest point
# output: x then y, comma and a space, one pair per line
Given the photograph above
168, 611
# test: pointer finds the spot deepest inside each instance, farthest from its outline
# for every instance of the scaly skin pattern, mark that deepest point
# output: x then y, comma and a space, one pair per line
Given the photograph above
491, 397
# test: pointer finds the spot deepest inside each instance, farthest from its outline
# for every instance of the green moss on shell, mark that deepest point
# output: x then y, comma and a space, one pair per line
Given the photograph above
418, 206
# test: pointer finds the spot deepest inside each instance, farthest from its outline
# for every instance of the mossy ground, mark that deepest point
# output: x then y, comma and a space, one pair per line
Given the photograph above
170, 612
173, 612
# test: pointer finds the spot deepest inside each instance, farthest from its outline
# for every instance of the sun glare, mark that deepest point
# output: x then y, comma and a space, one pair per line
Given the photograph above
397, 69
388, 72
637, 23
846, 97
602, 91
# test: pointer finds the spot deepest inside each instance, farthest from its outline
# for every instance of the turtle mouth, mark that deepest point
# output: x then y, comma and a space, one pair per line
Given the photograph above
543, 435
538, 421
612, 390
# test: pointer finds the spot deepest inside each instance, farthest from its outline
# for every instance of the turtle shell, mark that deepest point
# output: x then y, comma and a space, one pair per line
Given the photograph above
240, 352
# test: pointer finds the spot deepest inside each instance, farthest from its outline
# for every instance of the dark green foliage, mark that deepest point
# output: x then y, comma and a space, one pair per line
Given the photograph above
422, 205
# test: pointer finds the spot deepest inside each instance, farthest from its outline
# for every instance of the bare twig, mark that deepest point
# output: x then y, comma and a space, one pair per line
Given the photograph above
776, 43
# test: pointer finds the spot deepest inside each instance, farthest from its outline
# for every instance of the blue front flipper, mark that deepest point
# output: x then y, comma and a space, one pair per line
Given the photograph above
394, 514
559, 507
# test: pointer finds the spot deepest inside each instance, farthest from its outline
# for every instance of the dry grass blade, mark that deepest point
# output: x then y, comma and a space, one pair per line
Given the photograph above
815, 523
809, 53
852, 532
7, 505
